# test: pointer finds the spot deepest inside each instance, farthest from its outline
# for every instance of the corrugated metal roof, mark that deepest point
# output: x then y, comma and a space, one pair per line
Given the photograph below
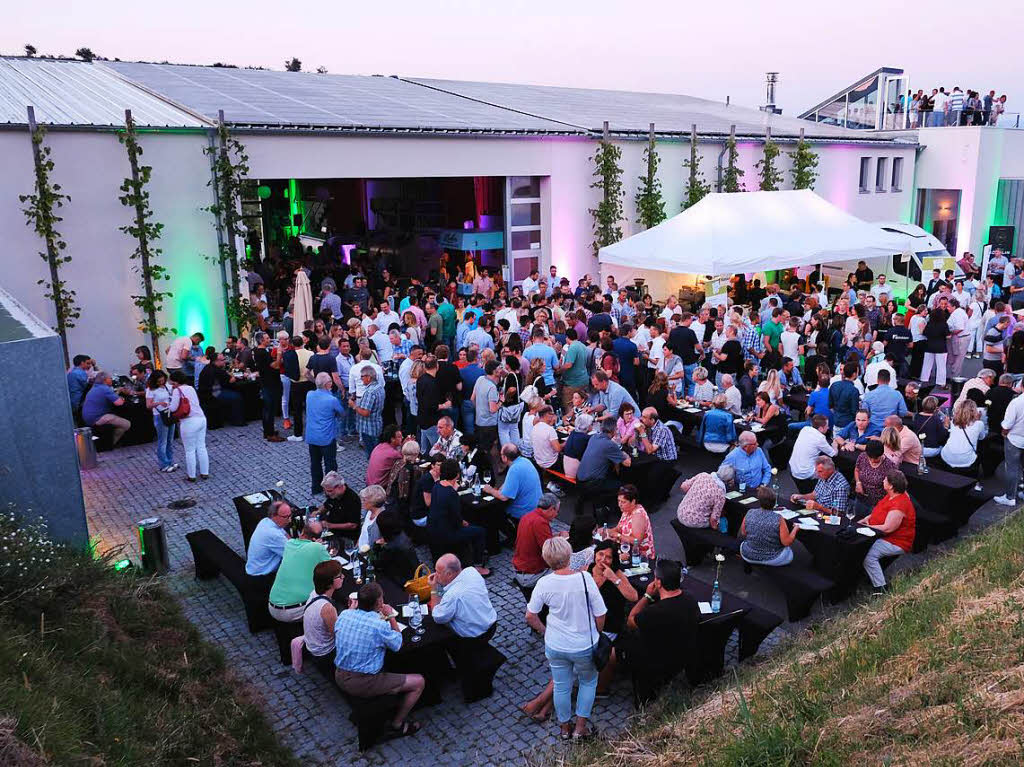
629, 111
303, 99
79, 93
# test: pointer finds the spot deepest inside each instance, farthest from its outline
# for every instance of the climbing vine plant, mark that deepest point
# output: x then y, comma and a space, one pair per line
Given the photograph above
230, 180
146, 232
650, 208
771, 176
733, 172
608, 212
696, 186
41, 214
805, 165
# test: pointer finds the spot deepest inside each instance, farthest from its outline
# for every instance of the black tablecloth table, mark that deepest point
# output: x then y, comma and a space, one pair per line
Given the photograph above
487, 512
143, 429
251, 511
251, 397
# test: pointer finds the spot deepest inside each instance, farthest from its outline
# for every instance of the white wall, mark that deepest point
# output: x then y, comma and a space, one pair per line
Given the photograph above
90, 167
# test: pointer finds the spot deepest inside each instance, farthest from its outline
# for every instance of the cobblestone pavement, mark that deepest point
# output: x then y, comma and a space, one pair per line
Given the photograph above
126, 487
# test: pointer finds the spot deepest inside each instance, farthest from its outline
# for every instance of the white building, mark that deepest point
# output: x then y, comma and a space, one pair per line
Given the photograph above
416, 157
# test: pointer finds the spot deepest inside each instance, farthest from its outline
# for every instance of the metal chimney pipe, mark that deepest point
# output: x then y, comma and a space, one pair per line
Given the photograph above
772, 79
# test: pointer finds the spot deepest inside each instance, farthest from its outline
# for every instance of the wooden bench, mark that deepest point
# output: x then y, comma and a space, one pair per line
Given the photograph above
213, 557
699, 542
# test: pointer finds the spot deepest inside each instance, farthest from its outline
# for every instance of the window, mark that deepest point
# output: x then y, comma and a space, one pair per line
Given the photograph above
865, 171
897, 174
881, 174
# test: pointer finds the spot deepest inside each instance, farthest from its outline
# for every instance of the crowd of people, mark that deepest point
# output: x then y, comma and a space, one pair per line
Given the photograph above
447, 382
956, 107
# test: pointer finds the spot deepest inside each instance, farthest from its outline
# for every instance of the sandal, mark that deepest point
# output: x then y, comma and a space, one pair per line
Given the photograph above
407, 728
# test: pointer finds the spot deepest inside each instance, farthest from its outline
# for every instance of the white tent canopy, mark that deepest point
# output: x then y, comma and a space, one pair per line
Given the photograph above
752, 231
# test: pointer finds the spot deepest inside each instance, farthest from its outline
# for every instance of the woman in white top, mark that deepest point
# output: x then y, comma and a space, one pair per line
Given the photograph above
533, 405
372, 498
960, 452
576, 613
192, 426
158, 397
772, 386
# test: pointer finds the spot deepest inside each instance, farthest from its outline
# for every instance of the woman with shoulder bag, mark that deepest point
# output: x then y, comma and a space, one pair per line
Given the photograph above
573, 642
158, 399
184, 408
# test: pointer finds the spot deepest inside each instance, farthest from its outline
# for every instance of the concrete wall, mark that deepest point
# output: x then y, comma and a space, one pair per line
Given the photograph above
90, 167
38, 464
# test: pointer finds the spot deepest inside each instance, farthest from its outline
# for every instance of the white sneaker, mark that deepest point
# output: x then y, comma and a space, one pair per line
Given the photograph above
295, 438
1002, 500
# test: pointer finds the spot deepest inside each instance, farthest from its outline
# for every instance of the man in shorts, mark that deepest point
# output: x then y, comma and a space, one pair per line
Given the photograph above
361, 639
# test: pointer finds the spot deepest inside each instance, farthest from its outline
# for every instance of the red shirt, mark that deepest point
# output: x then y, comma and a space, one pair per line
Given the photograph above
902, 536
382, 459
533, 530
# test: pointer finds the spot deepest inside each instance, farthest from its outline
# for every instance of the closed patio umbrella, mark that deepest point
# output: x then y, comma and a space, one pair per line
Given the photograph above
302, 311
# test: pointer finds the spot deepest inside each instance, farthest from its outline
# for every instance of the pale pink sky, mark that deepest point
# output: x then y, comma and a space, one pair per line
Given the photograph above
702, 49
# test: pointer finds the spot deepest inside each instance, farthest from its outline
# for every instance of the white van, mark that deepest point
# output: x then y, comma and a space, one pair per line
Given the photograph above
903, 273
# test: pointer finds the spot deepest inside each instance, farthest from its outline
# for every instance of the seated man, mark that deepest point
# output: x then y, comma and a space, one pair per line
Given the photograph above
472, 455
446, 528
856, 434
448, 439
396, 558
894, 517
215, 392
749, 461
810, 443
99, 403
361, 638
464, 604
521, 489
831, 495
266, 546
662, 631
534, 528
600, 456
384, 456
656, 439
341, 508
883, 401
294, 579
705, 497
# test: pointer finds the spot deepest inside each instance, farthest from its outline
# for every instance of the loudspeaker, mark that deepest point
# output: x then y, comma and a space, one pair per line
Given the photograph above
1001, 237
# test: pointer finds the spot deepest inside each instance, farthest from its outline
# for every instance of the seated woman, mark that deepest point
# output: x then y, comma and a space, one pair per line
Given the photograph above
771, 417
627, 424
634, 524
931, 427
767, 537
419, 507
395, 558
372, 498
581, 538
662, 398
704, 501
578, 408
717, 431
703, 389
576, 444
870, 471
619, 596
401, 481
772, 385
895, 518
960, 453
320, 615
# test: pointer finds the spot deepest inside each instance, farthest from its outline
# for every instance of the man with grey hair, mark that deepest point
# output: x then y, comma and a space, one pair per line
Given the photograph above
521, 489
533, 530
733, 397
448, 437
370, 410
98, 404
266, 546
751, 464
322, 411
341, 509
464, 603
704, 501
831, 494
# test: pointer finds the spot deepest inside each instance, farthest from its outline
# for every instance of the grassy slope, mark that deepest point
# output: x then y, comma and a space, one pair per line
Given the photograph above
933, 674
114, 674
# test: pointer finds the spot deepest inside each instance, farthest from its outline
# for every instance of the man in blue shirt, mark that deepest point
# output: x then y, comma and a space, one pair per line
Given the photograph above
884, 401
480, 335
608, 396
749, 461
99, 401
361, 639
266, 546
856, 434
521, 489
78, 380
789, 375
843, 397
540, 350
322, 411
594, 475
465, 605
469, 374
462, 330
627, 353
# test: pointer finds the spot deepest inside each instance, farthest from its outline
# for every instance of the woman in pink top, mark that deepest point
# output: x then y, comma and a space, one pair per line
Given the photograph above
634, 524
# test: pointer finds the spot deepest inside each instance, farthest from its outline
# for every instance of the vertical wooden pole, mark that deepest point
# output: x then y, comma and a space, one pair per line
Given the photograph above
56, 286
140, 225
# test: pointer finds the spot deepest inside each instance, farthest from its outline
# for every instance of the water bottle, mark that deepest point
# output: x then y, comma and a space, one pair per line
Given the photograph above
922, 465
723, 525
357, 569
476, 484
417, 616
634, 557
716, 598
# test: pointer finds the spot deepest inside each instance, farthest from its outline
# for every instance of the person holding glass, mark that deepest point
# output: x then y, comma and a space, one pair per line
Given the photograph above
158, 398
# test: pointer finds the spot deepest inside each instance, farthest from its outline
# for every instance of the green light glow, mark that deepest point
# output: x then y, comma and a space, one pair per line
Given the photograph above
294, 206
122, 564
192, 298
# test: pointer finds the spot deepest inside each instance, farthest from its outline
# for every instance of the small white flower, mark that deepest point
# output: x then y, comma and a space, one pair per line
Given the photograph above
364, 548
775, 471
922, 435
280, 483
719, 557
